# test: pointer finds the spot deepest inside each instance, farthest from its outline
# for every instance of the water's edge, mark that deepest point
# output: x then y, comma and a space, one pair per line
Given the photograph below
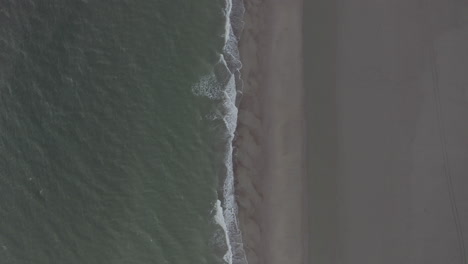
234, 13
225, 84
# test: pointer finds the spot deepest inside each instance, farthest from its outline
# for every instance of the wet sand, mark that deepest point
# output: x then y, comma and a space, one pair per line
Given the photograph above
270, 168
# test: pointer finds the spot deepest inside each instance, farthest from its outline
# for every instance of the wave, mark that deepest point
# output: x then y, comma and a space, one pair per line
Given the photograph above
224, 84
221, 221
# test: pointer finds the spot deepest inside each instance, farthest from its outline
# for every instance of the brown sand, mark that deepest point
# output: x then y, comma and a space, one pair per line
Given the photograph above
270, 169
387, 132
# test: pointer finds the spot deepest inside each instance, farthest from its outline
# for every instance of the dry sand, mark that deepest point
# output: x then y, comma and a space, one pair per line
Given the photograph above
270, 167
388, 131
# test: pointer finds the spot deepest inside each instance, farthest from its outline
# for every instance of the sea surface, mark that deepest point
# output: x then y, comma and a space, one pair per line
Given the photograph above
116, 124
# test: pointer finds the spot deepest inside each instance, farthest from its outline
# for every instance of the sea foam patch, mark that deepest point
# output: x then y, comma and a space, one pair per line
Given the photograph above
221, 84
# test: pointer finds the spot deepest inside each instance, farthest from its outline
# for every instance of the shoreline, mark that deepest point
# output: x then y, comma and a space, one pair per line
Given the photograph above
270, 145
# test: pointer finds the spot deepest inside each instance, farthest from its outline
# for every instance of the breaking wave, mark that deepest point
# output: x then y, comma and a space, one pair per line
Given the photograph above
223, 84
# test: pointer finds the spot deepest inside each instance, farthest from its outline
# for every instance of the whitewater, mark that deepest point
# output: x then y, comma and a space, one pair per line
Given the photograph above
226, 88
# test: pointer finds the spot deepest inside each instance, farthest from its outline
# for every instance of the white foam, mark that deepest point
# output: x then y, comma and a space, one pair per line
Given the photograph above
219, 219
227, 26
225, 90
208, 86
229, 204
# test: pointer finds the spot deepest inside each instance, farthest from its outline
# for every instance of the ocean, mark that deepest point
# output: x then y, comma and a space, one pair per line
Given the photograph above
116, 128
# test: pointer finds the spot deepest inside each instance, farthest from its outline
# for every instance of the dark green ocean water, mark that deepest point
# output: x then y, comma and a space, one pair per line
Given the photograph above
107, 155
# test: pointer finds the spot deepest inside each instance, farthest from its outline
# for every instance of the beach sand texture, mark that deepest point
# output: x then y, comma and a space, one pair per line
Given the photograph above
382, 117
270, 146
398, 144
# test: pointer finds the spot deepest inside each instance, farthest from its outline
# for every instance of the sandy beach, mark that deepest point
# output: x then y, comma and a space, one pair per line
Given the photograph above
364, 160
387, 149
270, 146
